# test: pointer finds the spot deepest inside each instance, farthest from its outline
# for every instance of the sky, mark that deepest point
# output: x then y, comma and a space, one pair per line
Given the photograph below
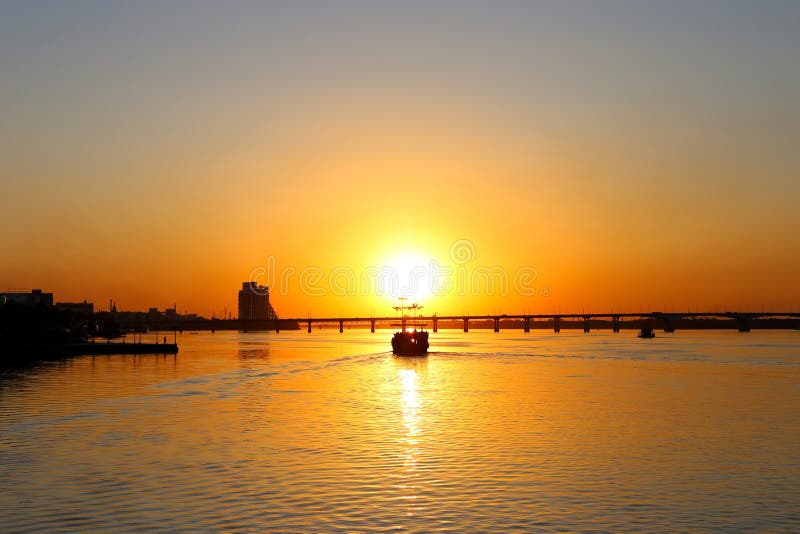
625, 155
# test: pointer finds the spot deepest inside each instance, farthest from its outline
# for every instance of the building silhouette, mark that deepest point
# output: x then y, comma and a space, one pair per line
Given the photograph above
254, 303
34, 298
82, 309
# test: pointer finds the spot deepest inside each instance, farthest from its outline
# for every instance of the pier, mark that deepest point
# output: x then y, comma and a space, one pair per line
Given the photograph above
35, 351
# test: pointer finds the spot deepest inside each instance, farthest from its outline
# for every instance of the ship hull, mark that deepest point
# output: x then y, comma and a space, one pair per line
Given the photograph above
410, 343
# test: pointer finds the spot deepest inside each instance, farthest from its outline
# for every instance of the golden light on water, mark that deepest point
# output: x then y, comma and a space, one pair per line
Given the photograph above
490, 432
410, 404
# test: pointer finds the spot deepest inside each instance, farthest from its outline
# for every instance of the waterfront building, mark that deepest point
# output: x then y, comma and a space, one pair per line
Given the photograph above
34, 298
254, 303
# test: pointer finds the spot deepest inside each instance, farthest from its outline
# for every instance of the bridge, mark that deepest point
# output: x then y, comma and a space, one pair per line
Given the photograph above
743, 320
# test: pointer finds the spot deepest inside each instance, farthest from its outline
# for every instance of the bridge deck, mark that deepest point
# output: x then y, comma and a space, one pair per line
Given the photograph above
626, 315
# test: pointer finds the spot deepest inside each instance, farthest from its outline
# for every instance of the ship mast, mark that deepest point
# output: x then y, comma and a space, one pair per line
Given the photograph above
402, 309
402, 313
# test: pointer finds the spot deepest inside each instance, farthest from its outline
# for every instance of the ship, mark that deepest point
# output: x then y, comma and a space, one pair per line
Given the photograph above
646, 333
407, 342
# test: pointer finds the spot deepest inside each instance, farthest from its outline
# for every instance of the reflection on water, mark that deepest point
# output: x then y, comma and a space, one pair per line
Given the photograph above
410, 404
329, 432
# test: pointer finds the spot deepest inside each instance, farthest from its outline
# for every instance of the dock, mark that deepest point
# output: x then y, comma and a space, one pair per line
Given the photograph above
57, 350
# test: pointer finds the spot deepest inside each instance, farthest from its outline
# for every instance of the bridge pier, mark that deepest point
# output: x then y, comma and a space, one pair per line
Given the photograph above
277, 326
341, 326
466, 324
669, 320
309, 326
615, 323
556, 324
526, 324
669, 325
435, 324
372, 325
496, 324
585, 324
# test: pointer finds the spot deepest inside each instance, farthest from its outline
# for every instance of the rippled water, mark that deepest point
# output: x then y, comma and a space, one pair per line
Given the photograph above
329, 432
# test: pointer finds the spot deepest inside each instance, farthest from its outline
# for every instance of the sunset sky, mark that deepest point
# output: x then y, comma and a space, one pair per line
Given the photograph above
632, 154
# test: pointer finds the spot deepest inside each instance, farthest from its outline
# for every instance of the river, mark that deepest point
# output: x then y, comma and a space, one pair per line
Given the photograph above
329, 432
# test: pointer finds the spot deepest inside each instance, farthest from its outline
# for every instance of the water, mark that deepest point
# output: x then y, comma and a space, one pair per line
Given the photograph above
328, 432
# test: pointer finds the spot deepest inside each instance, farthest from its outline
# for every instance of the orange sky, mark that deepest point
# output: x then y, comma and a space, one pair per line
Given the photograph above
162, 159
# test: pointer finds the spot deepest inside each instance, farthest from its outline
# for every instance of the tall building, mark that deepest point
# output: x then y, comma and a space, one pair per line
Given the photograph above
254, 303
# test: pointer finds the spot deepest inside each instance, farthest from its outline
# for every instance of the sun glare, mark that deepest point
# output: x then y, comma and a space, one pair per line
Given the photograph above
410, 276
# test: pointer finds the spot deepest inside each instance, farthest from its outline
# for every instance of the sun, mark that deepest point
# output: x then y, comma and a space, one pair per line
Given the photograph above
408, 275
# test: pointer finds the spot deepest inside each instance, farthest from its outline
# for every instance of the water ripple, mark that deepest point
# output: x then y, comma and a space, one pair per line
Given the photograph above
491, 432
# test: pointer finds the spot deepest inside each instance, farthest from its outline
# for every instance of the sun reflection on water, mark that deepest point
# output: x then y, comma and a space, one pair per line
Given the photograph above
410, 404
